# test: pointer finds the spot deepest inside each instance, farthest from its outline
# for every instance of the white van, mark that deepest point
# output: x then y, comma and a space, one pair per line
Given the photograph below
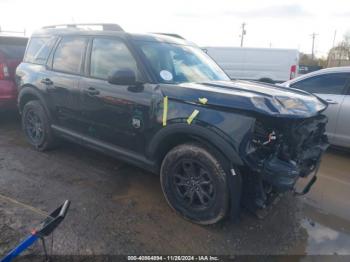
263, 64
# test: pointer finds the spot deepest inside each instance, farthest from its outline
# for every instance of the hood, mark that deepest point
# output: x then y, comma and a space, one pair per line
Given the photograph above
249, 96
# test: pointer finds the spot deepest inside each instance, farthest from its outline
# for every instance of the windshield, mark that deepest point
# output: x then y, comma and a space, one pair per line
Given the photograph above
173, 63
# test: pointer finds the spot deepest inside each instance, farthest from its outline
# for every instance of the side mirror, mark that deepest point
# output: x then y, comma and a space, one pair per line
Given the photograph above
122, 77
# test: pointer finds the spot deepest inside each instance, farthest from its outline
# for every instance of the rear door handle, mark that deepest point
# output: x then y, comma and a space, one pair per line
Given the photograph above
46, 81
331, 102
91, 91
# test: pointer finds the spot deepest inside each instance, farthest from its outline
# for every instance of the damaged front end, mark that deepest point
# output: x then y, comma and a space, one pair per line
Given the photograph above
277, 153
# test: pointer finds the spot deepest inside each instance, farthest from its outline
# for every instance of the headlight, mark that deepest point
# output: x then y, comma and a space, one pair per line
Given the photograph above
292, 104
287, 105
271, 106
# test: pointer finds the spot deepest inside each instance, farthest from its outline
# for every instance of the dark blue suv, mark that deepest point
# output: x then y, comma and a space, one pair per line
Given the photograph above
159, 102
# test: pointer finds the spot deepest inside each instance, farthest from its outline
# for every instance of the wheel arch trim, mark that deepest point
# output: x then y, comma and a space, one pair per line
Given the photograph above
203, 134
30, 90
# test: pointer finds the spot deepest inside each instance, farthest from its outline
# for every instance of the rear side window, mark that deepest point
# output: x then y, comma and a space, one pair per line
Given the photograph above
108, 55
69, 54
38, 50
324, 84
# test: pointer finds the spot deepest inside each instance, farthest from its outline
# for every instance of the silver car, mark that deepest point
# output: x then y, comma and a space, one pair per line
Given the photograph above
332, 85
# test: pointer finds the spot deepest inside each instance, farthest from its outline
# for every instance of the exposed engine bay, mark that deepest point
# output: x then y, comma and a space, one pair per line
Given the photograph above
278, 153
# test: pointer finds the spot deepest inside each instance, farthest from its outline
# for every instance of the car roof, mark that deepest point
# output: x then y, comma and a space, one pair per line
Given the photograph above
341, 69
13, 39
75, 31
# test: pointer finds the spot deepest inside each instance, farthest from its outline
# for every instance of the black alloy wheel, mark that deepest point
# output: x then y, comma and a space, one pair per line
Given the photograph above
33, 127
194, 183
36, 126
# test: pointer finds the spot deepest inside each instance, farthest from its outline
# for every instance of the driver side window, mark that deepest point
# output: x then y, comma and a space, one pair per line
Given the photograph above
108, 55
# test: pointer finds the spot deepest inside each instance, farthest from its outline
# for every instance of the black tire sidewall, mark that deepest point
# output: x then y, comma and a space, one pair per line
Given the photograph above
219, 208
38, 109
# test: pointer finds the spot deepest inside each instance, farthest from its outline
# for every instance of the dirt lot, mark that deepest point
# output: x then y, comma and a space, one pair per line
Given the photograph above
119, 209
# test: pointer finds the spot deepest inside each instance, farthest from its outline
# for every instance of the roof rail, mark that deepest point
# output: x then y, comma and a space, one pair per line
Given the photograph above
170, 34
105, 27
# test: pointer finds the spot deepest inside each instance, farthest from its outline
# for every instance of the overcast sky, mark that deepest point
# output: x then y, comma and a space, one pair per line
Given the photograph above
279, 23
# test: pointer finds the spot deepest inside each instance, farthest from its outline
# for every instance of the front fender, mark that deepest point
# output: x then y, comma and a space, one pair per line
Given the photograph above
223, 129
204, 134
28, 93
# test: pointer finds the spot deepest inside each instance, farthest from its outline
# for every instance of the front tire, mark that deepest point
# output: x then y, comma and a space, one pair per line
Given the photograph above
36, 126
194, 184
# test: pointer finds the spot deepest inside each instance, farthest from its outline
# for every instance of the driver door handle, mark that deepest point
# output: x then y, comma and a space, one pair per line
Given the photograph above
46, 81
91, 91
331, 101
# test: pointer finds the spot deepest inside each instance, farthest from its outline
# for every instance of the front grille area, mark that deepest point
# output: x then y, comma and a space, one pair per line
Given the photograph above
274, 165
294, 151
303, 135
304, 142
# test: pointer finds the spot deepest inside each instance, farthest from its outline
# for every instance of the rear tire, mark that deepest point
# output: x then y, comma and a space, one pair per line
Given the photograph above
195, 184
36, 126
267, 80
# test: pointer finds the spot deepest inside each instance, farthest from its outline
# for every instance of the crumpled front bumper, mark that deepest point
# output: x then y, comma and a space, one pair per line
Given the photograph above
283, 175
299, 157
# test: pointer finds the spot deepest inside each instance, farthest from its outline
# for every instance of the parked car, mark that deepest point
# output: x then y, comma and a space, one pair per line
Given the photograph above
162, 104
270, 65
304, 69
332, 85
11, 54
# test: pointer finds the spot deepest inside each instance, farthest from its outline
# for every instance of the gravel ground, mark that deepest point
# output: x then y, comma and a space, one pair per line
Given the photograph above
119, 209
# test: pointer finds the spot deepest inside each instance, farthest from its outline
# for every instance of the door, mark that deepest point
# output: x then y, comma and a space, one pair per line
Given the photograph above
342, 132
116, 114
62, 82
330, 87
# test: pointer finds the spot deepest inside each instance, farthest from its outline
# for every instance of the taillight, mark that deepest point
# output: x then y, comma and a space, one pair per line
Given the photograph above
293, 71
4, 71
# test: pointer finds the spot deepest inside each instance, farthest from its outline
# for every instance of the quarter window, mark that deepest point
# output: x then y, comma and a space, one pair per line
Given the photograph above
38, 50
69, 55
324, 84
108, 55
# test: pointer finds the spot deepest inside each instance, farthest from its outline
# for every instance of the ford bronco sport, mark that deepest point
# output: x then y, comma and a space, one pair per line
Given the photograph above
160, 103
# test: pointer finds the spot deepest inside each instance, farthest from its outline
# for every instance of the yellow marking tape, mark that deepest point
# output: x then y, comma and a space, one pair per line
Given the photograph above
192, 116
14, 201
203, 100
165, 110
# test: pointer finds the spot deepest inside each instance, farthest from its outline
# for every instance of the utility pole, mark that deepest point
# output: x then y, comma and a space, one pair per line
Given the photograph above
313, 35
331, 53
243, 33
335, 35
